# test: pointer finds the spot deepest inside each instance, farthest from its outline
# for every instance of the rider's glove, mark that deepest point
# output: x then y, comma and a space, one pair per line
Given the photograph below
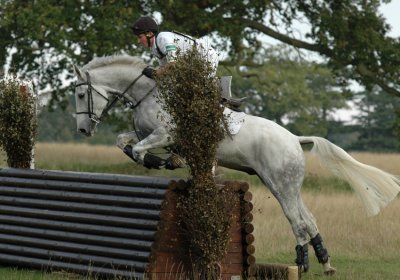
149, 72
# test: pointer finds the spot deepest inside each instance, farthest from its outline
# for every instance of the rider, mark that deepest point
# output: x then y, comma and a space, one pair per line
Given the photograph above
164, 45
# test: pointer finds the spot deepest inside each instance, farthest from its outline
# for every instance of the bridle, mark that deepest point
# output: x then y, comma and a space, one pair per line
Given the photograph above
118, 95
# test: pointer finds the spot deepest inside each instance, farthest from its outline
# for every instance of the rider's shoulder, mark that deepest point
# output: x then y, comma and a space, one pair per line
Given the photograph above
165, 34
165, 37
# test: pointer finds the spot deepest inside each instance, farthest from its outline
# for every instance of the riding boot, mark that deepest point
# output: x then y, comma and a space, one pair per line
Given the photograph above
302, 257
320, 251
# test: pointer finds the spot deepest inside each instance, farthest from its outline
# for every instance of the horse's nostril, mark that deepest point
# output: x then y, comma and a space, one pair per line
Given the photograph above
82, 130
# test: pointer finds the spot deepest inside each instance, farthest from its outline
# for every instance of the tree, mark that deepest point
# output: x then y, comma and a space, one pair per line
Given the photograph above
350, 34
44, 38
60, 125
377, 122
291, 91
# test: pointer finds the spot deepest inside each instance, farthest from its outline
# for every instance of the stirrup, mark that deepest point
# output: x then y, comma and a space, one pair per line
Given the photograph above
226, 95
235, 102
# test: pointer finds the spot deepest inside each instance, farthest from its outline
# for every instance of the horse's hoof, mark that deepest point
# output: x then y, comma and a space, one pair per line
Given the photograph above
330, 272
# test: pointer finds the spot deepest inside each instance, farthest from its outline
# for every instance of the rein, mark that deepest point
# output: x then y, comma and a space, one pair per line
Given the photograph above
118, 96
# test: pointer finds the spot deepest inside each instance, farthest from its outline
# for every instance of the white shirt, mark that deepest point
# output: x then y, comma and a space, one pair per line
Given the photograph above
166, 45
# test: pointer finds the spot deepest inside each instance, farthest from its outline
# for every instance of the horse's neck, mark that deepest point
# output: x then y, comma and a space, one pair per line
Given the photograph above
142, 85
120, 77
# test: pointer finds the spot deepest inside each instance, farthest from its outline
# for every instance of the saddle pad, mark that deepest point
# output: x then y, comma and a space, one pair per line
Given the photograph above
234, 120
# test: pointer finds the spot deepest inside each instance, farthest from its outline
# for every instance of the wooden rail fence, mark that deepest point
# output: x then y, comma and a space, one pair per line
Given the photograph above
110, 225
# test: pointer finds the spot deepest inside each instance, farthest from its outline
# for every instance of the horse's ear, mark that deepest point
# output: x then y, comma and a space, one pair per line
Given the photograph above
78, 72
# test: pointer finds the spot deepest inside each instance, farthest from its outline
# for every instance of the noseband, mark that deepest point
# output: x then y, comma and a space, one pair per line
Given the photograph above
90, 88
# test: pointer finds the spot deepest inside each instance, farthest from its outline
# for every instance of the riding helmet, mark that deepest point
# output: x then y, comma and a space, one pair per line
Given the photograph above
145, 24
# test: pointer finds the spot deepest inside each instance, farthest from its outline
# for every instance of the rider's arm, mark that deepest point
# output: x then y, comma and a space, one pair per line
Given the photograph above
165, 50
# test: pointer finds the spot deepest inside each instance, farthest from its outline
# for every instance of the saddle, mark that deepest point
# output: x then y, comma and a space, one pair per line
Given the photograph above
226, 98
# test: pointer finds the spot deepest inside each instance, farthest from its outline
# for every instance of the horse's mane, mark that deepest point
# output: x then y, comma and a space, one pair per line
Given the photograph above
113, 59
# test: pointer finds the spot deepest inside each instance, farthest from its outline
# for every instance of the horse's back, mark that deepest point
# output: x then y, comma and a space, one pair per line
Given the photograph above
263, 146
259, 131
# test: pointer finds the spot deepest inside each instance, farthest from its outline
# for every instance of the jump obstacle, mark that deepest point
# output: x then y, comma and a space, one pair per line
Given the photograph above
108, 225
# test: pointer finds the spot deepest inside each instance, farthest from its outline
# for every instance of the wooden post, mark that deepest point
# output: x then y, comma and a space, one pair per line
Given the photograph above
277, 272
169, 259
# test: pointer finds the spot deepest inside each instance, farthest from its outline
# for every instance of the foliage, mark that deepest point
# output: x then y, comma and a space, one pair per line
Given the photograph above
42, 39
191, 95
377, 122
205, 216
293, 92
18, 122
351, 35
46, 38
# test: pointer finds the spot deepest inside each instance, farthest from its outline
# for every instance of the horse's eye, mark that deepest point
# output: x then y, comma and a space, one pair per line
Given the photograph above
81, 95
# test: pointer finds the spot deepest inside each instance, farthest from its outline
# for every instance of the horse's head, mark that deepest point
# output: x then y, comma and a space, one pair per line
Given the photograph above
91, 100
105, 80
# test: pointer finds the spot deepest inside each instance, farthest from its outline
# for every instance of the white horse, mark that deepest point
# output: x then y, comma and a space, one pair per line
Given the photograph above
261, 147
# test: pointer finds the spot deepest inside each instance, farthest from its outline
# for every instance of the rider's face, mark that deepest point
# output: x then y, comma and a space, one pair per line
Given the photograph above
144, 39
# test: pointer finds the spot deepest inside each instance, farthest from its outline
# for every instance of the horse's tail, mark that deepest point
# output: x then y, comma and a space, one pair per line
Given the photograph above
375, 187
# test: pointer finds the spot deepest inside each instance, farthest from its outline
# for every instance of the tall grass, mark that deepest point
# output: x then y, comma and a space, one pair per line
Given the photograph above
370, 244
360, 247
68, 156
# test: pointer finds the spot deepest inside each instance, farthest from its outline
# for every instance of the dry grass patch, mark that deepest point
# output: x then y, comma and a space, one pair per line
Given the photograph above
79, 153
341, 220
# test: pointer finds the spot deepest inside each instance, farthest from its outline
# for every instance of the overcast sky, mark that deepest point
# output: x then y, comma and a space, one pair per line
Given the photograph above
392, 13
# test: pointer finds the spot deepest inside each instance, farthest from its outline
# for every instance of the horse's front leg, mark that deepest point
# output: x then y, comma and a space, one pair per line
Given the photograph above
137, 150
127, 138
125, 141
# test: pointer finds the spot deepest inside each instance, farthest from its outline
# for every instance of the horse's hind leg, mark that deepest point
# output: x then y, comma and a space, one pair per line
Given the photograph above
302, 223
291, 209
316, 240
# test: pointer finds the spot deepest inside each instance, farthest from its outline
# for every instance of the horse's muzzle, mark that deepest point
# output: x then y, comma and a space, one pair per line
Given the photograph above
84, 131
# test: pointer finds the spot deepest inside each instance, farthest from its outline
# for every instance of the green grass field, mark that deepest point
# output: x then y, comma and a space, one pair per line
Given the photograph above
360, 247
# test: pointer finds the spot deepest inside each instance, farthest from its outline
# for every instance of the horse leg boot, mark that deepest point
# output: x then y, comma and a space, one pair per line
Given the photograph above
149, 161
125, 141
302, 260
128, 151
322, 254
